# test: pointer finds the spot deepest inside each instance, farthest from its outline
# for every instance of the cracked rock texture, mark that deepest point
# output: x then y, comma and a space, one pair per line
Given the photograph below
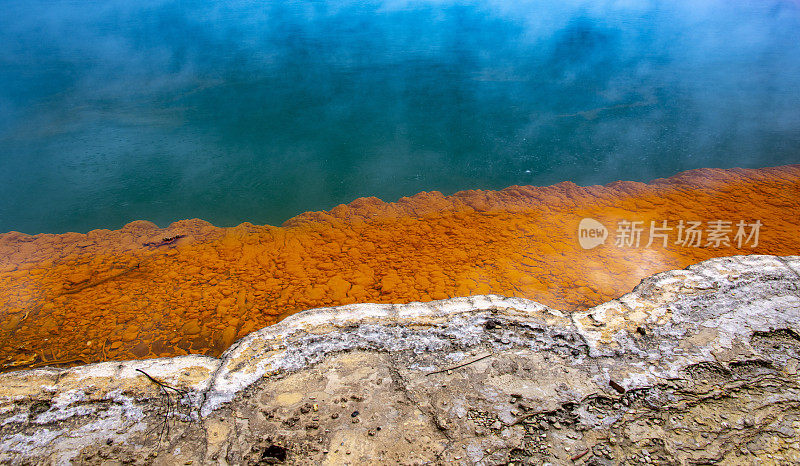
695, 366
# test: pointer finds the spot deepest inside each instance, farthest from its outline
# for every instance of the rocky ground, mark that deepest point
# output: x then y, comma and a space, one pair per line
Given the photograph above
695, 366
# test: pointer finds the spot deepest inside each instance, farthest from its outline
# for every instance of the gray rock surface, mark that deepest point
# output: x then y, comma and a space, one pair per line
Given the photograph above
694, 366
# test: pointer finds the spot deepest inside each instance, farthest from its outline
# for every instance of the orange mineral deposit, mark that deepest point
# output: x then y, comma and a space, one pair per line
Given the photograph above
143, 292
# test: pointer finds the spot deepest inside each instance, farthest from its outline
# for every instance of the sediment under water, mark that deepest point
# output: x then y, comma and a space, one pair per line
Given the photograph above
142, 291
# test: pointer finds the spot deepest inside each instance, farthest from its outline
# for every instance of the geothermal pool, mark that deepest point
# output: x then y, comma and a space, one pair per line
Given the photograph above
239, 111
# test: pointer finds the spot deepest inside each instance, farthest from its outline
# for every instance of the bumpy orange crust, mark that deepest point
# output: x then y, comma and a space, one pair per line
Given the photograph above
108, 295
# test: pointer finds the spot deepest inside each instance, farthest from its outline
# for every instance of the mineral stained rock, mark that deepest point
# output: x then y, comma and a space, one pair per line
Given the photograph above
694, 366
192, 288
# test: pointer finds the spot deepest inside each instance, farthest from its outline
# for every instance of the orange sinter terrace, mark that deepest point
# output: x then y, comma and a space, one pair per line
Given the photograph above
192, 288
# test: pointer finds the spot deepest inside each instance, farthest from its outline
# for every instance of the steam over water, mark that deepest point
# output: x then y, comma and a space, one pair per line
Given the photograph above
237, 111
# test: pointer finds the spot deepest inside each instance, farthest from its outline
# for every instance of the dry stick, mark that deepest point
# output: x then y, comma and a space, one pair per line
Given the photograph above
458, 366
161, 384
164, 424
169, 408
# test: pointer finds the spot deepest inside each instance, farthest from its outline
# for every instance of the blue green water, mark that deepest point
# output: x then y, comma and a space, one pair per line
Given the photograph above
256, 111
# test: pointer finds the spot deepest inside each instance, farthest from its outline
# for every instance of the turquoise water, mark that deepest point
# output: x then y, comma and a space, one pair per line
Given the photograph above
237, 111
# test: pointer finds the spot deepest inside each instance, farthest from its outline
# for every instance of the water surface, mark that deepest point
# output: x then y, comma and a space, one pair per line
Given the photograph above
237, 111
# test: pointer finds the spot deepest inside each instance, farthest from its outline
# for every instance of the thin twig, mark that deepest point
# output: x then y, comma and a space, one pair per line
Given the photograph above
164, 241
161, 384
459, 366
168, 406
